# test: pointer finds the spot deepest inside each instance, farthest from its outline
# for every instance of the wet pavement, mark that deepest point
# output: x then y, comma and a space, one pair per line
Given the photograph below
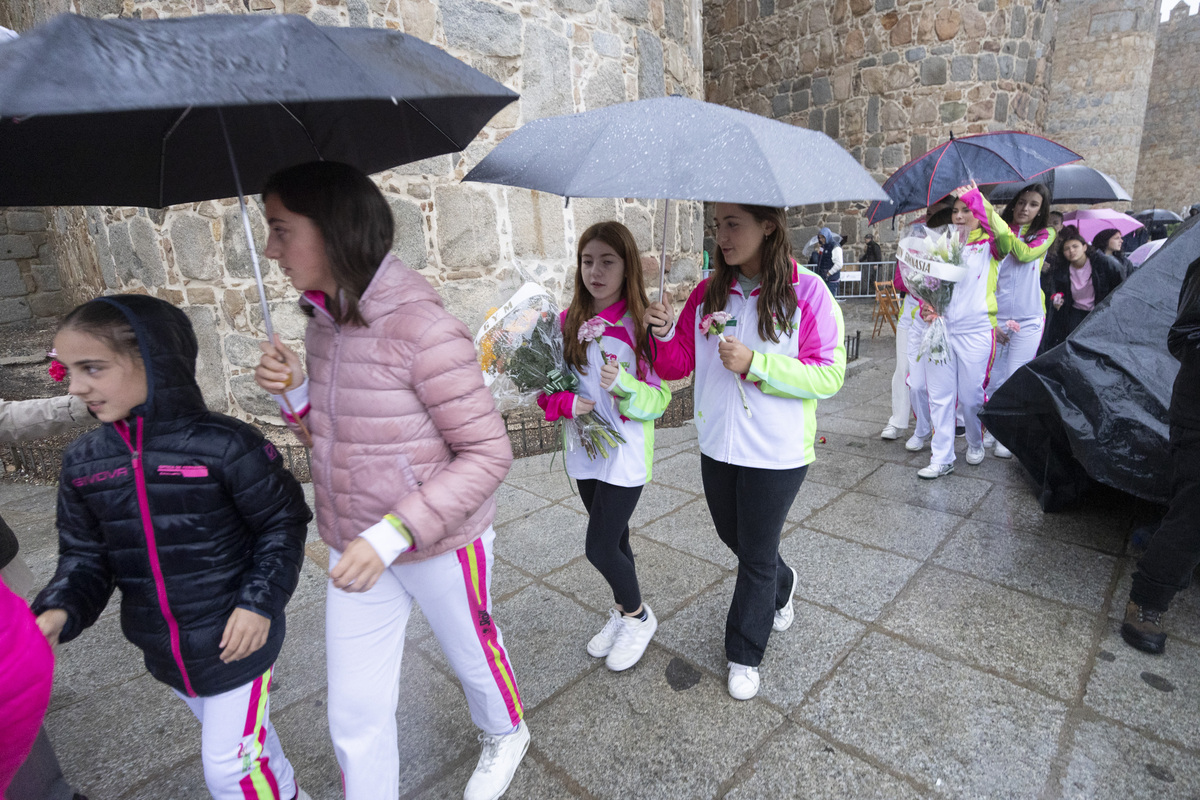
951, 640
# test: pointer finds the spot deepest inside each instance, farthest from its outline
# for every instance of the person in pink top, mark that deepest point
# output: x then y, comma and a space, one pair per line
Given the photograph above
26, 674
1079, 281
408, 451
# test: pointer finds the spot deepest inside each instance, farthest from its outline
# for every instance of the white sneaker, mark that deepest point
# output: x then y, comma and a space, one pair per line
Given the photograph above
891, 432
632, 638
301, 794
743, 681
784, 617
1001, 451
916, 443
497, 763
975, 455
602, 642
988, 439
934, 471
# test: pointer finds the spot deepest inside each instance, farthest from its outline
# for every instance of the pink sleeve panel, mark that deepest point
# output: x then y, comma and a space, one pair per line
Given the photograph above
557, 405
676, 357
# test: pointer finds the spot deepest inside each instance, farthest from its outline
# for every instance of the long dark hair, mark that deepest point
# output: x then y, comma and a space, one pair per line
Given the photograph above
1041, 220
1100, 240
106, 322
633, 290
776, 295
353, 218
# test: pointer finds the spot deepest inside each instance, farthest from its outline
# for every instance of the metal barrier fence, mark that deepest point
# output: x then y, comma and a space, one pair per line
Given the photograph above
858, 277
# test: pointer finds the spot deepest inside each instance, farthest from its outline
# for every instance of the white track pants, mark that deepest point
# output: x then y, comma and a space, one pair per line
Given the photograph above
901, 399
364, 643
1022, 348
962, 378
242, 757
917, 383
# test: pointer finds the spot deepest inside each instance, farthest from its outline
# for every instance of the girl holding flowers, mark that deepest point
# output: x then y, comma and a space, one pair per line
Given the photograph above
606, 346
970, 320
1021, 237
758, 377
408, 451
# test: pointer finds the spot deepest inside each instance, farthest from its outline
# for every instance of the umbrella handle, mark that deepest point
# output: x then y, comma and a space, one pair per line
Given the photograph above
258, 279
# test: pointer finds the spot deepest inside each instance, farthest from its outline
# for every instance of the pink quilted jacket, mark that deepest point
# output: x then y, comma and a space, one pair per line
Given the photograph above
401, 421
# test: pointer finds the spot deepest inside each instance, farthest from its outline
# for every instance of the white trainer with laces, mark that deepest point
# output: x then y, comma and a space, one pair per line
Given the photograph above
632, 638
988, 439
975, 455
934, 471
891, 432
743, 681
916, 443
784, 617
1001, 451
602, 642
498, 763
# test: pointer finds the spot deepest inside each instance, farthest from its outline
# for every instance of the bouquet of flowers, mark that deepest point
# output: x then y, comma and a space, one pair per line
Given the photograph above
520, 350
931, 263
714, 325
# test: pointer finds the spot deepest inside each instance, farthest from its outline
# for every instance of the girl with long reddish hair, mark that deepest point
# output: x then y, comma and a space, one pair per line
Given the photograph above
618, 384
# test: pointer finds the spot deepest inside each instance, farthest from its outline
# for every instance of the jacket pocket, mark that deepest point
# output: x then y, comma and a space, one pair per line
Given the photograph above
379, 481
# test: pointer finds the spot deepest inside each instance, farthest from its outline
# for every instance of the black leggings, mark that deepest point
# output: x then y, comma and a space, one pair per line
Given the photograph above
609, 508
749, 507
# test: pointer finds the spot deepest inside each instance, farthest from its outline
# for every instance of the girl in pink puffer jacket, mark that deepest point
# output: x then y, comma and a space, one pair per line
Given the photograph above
408, 451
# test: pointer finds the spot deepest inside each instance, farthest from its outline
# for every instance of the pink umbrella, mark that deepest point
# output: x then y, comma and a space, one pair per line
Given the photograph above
1145, 251
1091, 221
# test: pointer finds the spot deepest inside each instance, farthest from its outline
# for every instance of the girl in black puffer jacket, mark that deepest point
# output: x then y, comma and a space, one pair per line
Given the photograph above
193, 516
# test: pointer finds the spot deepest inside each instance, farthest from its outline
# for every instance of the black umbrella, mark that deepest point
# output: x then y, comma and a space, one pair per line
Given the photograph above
1156, 215
1095, 407
157, 112
677, 148
1070, 183
983, 157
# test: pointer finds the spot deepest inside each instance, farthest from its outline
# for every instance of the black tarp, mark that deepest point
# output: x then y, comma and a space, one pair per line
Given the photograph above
1095, 407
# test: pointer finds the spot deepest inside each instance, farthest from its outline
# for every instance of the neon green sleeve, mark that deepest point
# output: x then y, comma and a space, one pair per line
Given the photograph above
1009, 242
639, 400
785, 376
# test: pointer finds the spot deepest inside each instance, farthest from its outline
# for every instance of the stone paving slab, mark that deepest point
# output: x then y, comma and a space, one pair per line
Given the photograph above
951, 640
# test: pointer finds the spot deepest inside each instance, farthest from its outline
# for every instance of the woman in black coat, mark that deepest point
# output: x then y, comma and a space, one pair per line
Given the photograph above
1109, 241
1079, 281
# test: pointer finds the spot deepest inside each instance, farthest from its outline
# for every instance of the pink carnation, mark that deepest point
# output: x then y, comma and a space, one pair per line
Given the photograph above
1013, 326
58, 370
1054, 298
714, 322
592, 330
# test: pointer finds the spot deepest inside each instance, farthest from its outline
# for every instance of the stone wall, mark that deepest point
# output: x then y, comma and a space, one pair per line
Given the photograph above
30, 288
1169, 170
472, 241
1100, 81
887, 79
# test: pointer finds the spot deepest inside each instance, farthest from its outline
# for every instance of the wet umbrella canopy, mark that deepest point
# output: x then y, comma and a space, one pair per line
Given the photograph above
983, 158
1071, 183
124, 112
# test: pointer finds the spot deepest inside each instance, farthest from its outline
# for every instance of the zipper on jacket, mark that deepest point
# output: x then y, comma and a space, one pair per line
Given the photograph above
139, 478
333, 417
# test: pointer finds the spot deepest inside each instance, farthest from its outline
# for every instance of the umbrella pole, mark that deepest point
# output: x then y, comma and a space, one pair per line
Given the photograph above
258, 279
662, 255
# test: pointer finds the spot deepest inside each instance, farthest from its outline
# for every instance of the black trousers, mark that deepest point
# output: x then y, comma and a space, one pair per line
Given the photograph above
749, 507
609, 508
1166, 567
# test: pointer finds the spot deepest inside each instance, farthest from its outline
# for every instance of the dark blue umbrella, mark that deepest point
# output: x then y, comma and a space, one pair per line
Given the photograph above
677, 148
1072, 183
984, 158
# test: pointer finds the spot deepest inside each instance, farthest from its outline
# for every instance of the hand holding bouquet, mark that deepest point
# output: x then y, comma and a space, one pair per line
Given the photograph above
714, 325
521, 352
930, 264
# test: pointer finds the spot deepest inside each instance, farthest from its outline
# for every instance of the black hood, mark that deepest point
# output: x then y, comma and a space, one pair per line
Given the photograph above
168, 346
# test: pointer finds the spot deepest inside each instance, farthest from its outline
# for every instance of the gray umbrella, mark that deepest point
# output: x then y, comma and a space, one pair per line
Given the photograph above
1070, 183
677, 148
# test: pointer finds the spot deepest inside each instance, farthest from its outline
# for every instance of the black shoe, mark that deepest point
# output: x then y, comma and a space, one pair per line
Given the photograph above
960, 431
1142, 629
